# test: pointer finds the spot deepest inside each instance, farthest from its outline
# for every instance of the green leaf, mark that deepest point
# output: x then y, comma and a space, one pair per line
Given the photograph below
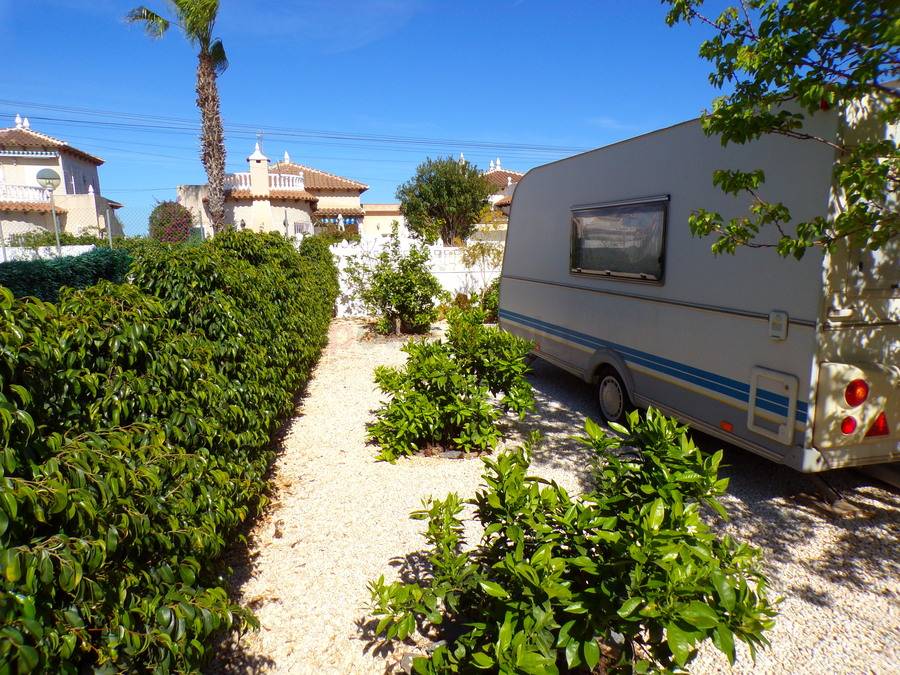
629, 606
723, 639
591, 652
680, 642
700, 615
482, 661
657, 513
494, 589
28, 659
724, 590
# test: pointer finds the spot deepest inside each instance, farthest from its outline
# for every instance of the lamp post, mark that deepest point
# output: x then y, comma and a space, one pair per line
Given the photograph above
50, 180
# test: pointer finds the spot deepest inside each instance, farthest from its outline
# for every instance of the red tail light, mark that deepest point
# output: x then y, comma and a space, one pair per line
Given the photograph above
848, 426
879, 427
856, 392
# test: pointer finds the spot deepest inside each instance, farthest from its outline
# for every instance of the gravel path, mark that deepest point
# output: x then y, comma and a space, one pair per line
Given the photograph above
339, 519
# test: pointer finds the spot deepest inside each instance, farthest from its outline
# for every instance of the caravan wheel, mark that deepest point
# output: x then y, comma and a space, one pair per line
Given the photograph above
612, 395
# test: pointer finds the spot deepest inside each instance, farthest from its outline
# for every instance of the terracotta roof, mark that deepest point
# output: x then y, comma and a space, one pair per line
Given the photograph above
288, 195
332, 211
29, 207
503, 201
500, 177
26, 139
317, 180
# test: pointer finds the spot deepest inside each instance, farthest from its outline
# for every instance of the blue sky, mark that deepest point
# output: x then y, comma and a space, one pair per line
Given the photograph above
451, 76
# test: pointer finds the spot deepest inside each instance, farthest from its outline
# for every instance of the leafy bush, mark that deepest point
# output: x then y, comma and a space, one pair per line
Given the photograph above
443, 395
629, 575
490, 301
397, 287
171, 222
136, 423
43, 278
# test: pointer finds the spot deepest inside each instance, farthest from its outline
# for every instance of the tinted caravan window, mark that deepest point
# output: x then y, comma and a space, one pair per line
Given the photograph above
620, 240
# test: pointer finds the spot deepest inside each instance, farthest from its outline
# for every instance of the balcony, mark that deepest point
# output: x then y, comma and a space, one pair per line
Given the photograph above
277, 181
26, 194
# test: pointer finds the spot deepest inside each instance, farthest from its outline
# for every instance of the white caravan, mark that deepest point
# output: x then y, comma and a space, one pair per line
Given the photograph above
794, 360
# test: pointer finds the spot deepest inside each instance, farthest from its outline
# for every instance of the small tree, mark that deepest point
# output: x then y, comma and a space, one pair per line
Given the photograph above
170, 222
444, 199
398, 287
782, 63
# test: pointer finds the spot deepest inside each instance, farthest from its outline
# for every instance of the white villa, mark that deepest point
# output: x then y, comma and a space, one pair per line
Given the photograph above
25, 206
282, 197
504, 182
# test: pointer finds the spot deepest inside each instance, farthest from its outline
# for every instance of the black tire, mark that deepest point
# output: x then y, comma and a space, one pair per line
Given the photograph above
612, 396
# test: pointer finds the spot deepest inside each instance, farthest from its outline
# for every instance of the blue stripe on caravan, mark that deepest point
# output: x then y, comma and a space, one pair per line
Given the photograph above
735, 389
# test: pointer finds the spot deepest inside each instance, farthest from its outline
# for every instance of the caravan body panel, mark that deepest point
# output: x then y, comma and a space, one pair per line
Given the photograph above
728, 343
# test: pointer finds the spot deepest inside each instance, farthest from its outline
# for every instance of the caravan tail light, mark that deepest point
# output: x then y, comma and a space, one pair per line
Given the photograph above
848, 426
856, 393
879, 427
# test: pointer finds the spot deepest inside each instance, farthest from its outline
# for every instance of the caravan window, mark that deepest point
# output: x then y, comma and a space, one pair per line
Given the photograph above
624, 239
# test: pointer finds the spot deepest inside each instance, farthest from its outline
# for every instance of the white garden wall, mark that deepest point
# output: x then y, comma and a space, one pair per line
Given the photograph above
446, 265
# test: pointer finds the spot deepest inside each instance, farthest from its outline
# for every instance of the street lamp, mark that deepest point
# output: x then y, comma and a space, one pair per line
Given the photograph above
49, 180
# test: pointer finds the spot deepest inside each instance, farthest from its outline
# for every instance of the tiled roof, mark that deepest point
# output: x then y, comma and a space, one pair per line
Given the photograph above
333, 211
25, 139
503, 201
318, 180
500, 177
287, 195
29, 207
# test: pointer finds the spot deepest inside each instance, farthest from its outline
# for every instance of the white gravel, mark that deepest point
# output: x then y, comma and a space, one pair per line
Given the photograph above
339, 519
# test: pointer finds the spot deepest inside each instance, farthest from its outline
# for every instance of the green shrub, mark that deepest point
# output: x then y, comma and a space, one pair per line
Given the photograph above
136, 422
397, 287
629, 575
451, 394
44, 277
490, 301
170, 222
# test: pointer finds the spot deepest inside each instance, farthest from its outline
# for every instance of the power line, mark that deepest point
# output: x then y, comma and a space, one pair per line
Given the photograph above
132, 121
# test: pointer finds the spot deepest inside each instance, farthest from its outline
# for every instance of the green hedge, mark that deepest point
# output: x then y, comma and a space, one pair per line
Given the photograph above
135, 423
43, 278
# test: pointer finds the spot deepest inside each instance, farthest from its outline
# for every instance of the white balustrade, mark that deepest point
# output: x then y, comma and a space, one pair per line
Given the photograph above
240, 181
23, 193
277, 181
285, 181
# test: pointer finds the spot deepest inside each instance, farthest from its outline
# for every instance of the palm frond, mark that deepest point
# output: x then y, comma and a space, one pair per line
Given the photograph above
217, 54
197, 18
153, 23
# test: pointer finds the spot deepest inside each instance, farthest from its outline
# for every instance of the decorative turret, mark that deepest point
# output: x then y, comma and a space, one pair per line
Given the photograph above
259, 172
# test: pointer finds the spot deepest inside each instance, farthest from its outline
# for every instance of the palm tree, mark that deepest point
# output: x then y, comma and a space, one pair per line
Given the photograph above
196, 18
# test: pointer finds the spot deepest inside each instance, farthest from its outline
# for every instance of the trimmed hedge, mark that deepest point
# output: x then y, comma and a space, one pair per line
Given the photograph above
43, 278
135, 422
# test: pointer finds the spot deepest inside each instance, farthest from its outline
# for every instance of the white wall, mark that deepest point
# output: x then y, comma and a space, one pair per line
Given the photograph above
446, 265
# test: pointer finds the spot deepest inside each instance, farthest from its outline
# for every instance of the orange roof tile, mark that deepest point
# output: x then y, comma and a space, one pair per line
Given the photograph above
287, 195
17, 138
29, 207
318, 180
332, 211
503, 201
500, 177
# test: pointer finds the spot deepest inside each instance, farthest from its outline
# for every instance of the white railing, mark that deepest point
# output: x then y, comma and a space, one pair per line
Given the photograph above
277, 181
23, 193
286, 181
237, 180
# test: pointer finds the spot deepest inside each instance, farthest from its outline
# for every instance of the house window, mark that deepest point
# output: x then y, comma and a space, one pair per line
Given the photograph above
620, 239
